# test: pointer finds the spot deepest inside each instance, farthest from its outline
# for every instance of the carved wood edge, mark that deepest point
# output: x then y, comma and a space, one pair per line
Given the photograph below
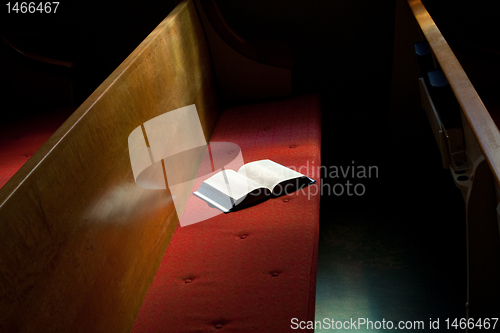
37, 62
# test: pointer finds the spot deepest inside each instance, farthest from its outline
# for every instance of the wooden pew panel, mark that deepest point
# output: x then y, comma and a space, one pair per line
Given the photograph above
482, 143
79, 241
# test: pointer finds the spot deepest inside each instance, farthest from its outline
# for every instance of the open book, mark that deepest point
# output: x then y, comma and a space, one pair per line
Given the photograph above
254, 181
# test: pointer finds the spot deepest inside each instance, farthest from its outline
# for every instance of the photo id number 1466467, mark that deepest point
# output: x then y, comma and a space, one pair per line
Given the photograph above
471, 323
32, 7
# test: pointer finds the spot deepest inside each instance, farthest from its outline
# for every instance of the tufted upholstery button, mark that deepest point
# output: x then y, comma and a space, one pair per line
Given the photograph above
218, 326
275, 273
286, 200
188, 280
243, 236
292, 146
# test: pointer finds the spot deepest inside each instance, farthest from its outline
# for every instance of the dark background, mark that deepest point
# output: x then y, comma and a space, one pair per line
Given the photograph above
343, 46
336, 45
95, 35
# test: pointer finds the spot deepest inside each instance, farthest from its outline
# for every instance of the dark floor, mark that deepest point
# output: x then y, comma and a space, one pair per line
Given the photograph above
398, 252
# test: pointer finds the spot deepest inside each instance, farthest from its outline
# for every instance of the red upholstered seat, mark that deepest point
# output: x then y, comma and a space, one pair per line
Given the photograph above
252, 270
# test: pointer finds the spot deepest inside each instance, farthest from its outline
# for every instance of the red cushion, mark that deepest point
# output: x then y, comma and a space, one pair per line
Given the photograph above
252, 270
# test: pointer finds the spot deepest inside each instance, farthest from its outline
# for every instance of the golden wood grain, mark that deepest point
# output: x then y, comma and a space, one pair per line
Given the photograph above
80, 242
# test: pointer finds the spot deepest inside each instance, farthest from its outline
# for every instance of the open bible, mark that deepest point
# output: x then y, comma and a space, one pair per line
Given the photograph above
254, 181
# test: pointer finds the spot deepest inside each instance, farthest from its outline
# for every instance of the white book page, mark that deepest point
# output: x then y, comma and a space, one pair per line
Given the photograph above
232, 184
268, 173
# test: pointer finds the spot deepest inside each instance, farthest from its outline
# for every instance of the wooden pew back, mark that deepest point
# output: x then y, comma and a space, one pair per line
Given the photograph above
482, 147
483, 127
80, 242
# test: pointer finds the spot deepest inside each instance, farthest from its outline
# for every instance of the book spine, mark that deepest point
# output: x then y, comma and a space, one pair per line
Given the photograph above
211, 202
